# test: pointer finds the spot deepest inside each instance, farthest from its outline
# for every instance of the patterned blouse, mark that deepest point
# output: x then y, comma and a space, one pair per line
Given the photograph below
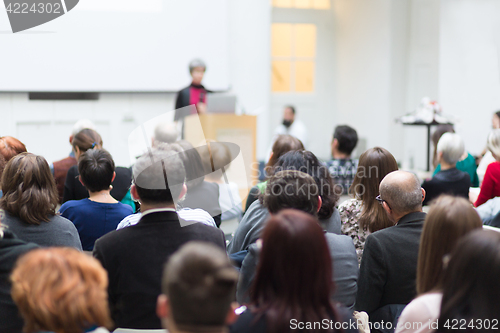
350, 211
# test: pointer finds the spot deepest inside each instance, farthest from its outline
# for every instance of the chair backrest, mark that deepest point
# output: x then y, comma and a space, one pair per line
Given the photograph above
487, 227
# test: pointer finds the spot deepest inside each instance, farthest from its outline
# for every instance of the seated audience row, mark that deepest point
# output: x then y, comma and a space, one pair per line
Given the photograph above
363, 215
449, 219
302, 194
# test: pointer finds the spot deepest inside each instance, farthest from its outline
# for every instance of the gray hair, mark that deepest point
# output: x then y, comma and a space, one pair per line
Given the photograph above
494, 142
165, 132
196, 63
159, 170
452, 147
403, 193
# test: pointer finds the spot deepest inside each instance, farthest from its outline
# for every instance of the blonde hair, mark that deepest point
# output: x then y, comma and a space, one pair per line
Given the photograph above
60, 290
494, 142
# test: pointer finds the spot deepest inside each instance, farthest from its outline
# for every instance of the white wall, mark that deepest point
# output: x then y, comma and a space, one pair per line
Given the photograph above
45, 126
469, 76
371, 51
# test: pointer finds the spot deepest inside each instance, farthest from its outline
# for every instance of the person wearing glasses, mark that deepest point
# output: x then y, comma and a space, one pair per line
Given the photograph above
389, 263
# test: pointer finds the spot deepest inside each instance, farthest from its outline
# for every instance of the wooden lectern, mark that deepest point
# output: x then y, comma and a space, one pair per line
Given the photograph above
241, 130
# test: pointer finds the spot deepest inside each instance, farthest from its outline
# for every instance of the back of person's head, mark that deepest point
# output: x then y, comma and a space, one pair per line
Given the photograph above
440, 130
305, 161
215, 156
374, 165
291, 189
159, 176
494, 142
10, 147
3, 163
29, 189
436, 135
60, 290
470, 283
87, 139
96, 168
448, 220
81, 125
191, 159
165, 132
294, 274
200, 284
347, 138
402, 192
451, 148
282, 145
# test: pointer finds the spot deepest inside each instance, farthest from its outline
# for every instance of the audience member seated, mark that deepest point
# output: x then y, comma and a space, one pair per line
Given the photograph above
134, 256
74, 190
293, 283
282, 145
490, 187
470, 284
362, 215
198, 288
489, 210
297, 190
60, 168
252, 223
342, 166
466, 163
100, 213
165, 132
292, 126
10, 147
388, 267
61, 290
449, 219
30, 200
216, 156
486, 157
449, 180
200, 194
11, 248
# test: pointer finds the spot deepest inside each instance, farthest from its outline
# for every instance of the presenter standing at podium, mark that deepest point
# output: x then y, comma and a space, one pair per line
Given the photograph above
195, 94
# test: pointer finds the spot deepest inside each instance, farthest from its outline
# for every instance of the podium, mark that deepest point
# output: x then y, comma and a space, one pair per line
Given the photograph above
241, 130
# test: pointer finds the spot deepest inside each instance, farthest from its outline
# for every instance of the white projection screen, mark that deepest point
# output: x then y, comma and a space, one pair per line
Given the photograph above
118, 46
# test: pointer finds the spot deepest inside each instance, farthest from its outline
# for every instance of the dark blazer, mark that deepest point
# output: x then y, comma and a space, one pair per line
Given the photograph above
184, 99
451, 181
389, 265
11, 248
74, 190
134, 259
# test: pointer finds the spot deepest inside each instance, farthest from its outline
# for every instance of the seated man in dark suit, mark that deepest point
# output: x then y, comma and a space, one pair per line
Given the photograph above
134, 256
298, 190
389, 264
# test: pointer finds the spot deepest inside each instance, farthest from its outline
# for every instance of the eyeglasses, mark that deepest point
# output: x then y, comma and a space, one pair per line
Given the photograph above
379, 199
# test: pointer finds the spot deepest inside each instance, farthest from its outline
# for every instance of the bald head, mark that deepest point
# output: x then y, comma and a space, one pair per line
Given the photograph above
402, 192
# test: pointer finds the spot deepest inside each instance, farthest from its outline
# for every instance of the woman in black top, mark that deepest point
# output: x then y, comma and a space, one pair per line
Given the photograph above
293, 285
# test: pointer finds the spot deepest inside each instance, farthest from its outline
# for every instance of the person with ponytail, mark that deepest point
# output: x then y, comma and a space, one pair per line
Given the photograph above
73, 189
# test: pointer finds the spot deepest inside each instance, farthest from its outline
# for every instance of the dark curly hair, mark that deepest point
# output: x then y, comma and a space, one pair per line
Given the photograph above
307, 162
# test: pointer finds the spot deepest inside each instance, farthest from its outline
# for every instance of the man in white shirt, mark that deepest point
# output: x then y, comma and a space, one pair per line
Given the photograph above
292, 126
